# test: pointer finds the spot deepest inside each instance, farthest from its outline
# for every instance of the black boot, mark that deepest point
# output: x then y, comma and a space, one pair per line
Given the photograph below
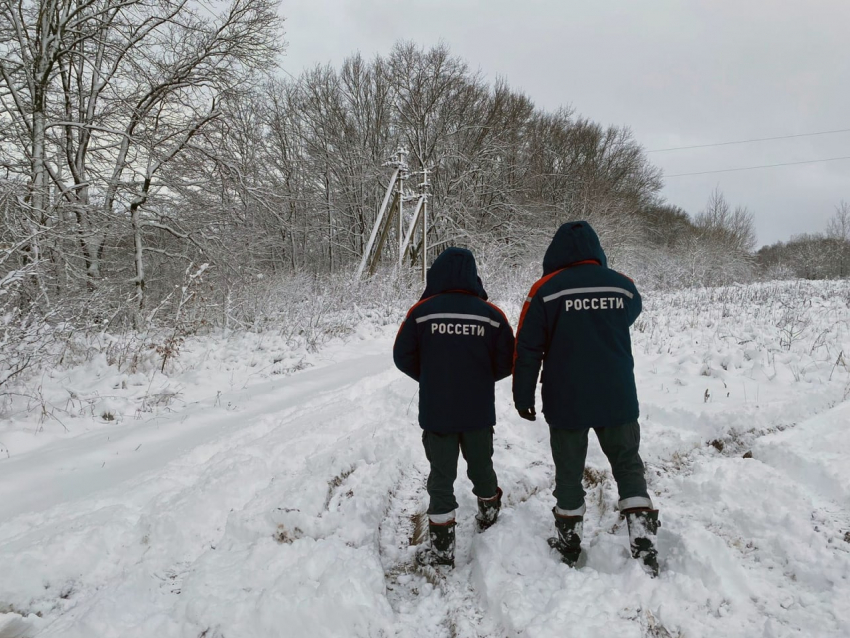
643, 532
568, 540
488, 510
442, 549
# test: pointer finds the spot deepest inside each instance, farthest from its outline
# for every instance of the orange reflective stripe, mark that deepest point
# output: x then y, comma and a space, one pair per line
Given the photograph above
412, 308
536, 287
527, 305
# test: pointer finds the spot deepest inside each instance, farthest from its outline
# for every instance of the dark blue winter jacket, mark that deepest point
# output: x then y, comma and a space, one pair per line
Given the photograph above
576, 322
456, 345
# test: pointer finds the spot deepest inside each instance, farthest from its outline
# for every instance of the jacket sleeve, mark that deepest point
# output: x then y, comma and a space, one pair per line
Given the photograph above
406, 349
635, 306
531, 341
503, 359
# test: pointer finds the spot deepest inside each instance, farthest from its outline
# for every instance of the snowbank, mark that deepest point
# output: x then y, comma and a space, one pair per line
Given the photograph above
814, 454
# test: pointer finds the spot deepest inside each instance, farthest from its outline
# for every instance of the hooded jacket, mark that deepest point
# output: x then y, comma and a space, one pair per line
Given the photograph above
575, 322
456, 345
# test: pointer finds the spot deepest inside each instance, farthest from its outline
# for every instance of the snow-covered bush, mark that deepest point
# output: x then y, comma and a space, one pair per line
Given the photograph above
25, 335
315, 308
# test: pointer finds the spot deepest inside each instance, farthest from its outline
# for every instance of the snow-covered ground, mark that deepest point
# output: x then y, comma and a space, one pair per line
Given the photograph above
275, 493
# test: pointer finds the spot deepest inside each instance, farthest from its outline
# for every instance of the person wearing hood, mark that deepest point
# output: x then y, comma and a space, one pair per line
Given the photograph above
575, 323
456, 345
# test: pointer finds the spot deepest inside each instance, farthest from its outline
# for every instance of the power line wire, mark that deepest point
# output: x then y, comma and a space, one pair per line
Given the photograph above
751, 168
757, 139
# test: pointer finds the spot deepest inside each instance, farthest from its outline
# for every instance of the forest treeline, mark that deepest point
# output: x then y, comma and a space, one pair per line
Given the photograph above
823, 255
153, 160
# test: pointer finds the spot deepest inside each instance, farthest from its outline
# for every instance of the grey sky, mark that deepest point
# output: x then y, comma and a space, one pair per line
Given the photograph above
678, 72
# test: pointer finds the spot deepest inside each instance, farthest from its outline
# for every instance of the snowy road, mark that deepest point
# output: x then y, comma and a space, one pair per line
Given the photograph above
289, 513
70, 470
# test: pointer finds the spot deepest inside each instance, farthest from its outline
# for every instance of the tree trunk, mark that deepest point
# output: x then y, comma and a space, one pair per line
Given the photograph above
139, 262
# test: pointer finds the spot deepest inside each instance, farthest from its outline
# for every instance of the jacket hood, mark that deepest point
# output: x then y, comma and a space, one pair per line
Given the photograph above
574, 242
454, 269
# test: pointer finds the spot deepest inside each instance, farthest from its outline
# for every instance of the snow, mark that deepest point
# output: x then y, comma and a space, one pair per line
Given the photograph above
264, 504
814, 454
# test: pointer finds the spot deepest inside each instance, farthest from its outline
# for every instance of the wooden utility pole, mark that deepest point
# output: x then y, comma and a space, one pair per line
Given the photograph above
394, 204
423, 187
401, 163
367, 253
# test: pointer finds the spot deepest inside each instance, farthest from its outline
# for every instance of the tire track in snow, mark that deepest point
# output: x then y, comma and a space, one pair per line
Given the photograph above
429, 602
79, 468
195, 504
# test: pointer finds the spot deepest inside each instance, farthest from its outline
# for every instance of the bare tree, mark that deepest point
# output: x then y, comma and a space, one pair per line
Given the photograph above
104, 95
838, 230
735, 228
730, 238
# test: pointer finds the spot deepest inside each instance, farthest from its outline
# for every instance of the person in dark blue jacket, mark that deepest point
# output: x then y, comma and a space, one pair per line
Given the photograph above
456, 345
575, 322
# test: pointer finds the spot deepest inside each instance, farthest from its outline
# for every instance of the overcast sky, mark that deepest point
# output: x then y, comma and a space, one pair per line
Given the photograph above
678, 72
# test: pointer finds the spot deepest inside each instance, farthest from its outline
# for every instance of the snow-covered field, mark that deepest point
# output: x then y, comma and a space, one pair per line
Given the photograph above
266, 492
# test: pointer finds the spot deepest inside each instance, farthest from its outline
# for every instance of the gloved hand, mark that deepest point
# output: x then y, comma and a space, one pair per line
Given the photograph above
528, 414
